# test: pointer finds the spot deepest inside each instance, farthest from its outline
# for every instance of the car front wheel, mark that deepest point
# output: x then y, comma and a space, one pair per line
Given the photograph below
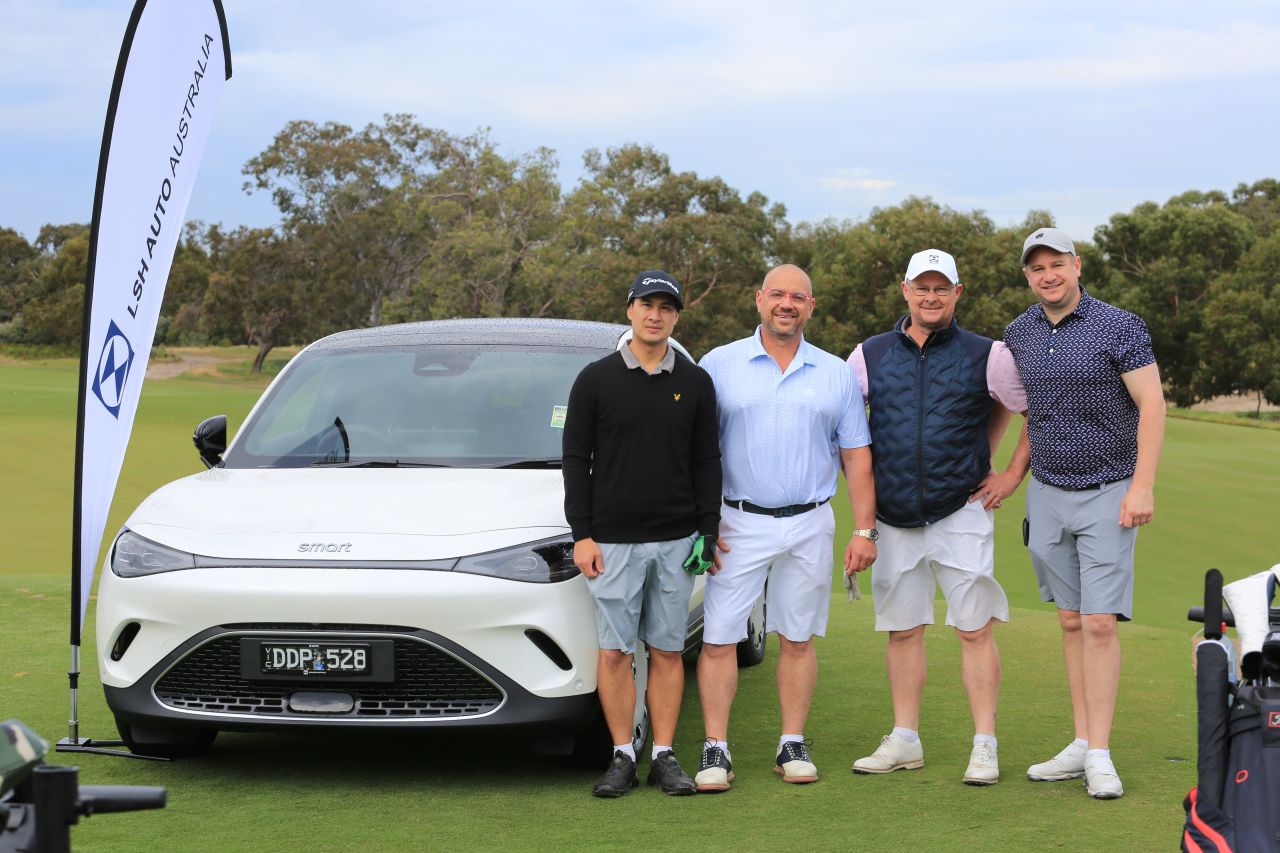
594, 747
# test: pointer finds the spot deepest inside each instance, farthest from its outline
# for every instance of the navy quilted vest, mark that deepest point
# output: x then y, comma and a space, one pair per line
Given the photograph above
929, 413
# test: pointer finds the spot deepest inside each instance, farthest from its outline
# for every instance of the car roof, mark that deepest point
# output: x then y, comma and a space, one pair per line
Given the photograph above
536, 331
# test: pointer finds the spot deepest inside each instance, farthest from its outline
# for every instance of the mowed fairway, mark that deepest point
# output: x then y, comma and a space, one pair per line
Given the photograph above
318, 793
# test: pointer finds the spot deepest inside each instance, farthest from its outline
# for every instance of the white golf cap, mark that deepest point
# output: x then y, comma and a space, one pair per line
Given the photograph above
932, 260
1053, 238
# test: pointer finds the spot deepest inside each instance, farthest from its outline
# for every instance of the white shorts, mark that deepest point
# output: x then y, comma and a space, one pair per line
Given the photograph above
792, 554
958, 553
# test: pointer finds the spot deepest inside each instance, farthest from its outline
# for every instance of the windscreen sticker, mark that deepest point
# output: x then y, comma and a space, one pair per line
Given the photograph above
558, 414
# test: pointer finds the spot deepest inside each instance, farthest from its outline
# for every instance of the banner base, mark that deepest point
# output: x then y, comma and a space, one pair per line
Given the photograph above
101, 747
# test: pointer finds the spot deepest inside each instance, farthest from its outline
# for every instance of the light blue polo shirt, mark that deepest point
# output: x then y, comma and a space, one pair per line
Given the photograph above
781, 433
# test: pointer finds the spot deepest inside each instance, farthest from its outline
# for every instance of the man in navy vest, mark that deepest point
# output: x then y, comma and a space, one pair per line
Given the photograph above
940, 399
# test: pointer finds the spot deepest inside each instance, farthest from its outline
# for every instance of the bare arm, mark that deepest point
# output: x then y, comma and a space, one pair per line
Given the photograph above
1143, 385
996, 487
860, 553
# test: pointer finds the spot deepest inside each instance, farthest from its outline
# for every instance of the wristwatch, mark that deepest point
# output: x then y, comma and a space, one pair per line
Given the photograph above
868, 532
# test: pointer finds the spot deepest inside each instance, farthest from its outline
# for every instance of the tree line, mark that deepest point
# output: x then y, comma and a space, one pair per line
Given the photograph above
398, 222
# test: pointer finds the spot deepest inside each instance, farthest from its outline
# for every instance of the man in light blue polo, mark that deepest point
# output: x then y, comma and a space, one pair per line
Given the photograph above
791, 417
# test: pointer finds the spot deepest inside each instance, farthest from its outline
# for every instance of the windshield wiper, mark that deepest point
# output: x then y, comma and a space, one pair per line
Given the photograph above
531, 462
376, 463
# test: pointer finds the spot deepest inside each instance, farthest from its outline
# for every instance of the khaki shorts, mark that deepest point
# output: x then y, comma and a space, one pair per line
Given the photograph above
956, 553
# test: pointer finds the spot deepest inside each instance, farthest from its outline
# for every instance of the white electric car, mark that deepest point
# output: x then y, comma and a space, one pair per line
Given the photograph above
383, 545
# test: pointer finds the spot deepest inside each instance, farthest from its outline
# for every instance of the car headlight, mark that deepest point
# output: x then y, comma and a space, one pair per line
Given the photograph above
134, 556
547, 561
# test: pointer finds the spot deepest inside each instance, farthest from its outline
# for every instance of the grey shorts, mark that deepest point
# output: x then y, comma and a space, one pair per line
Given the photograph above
643, 594
1082, 556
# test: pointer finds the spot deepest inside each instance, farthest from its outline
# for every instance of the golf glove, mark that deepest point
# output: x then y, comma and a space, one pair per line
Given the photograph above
702, 556
851, 587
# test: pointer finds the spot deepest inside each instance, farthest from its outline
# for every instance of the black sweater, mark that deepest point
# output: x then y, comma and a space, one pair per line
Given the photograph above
641, 453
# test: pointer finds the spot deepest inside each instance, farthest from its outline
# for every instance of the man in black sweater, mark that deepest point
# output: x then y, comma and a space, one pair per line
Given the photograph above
642, 496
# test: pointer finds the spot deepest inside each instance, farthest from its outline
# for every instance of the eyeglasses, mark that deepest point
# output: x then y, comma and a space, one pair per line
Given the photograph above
941, 290
778, 295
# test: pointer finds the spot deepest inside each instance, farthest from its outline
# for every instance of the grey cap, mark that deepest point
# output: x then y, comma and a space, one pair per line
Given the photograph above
1054, 238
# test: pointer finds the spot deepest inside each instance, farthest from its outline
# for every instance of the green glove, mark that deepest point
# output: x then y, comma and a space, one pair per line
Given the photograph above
700, 558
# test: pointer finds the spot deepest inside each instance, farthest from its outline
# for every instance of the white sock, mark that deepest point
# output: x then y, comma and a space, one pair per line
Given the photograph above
658, 750
724, 747
785, 739
1098, 757
988, 739
909, 735
1080, 743
626, 749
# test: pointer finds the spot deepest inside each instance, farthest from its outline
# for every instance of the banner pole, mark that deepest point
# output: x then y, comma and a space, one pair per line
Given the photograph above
73, 731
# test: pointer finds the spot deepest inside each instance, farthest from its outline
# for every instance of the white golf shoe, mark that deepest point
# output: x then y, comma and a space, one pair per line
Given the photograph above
1068, 764
1101, 781
894, 753
984, 767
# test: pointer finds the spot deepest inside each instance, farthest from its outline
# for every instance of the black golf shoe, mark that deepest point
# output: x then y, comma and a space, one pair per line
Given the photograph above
618, 779
665, 772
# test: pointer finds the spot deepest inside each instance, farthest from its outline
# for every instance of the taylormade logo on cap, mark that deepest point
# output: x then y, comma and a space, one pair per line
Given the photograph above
663, 282
655, 281
932, 260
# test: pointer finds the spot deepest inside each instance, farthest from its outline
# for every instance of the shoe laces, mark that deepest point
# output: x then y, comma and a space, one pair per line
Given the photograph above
984, 753
712, 755
797, 750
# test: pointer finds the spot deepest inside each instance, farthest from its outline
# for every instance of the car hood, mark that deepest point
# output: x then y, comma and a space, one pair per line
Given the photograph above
352, 514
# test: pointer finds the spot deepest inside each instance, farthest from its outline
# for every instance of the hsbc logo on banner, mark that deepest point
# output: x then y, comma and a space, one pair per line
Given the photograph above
112, 374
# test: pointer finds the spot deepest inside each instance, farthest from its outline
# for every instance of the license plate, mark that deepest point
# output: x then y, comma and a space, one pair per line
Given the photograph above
371, 660
314, 659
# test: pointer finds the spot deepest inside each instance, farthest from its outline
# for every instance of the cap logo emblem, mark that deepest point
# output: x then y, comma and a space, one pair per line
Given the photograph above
1041, 234
676, 397
933, 259
661, 281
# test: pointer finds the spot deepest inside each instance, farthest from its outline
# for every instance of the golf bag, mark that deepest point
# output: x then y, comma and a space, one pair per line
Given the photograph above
1235, 805
39, 803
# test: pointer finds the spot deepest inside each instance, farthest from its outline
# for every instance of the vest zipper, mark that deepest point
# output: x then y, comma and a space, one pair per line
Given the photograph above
920, 370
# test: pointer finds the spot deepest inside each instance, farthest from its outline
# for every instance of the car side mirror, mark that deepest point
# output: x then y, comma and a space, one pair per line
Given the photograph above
210, 439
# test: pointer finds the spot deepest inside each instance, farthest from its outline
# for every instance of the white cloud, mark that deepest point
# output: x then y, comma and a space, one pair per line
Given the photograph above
855, 179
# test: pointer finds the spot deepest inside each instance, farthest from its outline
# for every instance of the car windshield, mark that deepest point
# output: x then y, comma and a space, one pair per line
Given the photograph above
407, 406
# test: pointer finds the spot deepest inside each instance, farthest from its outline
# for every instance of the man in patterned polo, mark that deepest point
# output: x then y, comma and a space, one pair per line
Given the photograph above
1095, 420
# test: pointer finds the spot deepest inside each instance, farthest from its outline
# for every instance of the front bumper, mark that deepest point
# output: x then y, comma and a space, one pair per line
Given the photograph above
436, 684
517, 653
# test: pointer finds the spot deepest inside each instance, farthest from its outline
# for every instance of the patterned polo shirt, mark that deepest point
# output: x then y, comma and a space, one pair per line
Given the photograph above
781, 431
1082, 423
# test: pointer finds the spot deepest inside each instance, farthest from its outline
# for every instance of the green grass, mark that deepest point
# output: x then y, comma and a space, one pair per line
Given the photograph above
316, 793
1258, 420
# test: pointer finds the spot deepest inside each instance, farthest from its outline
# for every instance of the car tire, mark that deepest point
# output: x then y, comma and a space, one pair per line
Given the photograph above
751, 650
165, 741
594, 747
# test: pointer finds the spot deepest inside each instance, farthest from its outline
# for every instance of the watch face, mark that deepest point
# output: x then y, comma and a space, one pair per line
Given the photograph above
875, 534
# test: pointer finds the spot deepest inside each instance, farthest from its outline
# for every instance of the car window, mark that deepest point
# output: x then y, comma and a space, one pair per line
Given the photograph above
455, 405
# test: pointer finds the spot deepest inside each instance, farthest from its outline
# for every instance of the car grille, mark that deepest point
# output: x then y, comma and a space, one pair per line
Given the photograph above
429, 683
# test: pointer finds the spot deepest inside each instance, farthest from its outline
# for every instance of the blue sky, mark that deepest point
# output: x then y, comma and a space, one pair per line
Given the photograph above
1084, 109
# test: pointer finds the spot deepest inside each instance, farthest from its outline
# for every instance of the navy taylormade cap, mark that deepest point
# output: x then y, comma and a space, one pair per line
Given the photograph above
655, 281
